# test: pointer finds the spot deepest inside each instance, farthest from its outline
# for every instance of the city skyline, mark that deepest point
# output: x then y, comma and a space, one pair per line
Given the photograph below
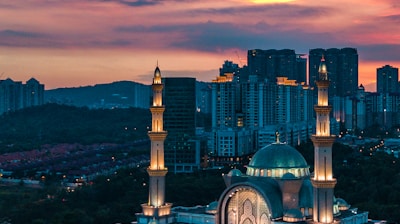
79, 43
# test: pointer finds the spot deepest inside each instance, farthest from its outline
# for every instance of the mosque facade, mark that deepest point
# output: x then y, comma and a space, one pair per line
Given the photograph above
278, 186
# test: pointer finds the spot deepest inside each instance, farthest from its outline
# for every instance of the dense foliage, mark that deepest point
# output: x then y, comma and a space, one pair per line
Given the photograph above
31, 127
370, 183
107, 200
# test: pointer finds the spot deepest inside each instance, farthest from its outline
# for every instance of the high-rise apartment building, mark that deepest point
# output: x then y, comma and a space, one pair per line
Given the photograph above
15, 95
203, 97
182, 152
269, 64
301, 69
383, 109
252, 103
33, 93
224, 102
387, 79
292, 112
230, 139
342, 65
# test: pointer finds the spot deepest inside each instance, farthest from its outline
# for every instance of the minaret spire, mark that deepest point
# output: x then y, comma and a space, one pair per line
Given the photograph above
323, 181
156, 209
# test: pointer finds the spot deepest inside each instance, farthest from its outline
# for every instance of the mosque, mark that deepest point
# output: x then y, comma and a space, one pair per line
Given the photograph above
276, 188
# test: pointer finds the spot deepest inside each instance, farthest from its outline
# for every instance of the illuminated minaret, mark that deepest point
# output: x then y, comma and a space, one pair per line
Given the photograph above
323, 181
156, 210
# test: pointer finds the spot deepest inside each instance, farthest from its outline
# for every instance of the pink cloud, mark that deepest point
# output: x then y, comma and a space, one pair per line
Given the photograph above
96, 38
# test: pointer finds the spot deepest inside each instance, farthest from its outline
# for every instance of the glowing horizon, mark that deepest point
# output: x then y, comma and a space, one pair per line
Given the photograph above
89, 42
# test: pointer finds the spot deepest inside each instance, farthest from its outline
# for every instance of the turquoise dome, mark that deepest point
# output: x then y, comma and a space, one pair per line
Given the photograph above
235, 172
278, 155
278, 160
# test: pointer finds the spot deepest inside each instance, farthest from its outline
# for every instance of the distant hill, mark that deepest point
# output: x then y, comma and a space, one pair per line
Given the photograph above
122, 94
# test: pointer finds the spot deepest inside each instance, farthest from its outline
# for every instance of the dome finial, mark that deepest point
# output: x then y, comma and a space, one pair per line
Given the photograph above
277, 137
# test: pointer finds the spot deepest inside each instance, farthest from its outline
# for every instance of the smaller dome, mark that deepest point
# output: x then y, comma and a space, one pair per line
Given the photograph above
234, 172
288, 176
293, 215
342, 204
212, 207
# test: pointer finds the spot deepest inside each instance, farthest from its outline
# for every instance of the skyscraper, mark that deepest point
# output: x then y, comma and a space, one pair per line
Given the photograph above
15, 95
10, 95
323, 181
156, 209
387, 79
301, 69
342, 65
224, 102
33, 93
269, 64
182, 152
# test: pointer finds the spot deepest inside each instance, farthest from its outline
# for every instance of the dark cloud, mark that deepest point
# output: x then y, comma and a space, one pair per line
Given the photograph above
32, 39
113, 43
392, 18
18, 34
379, 52
7, 6
268, 10
19, 38
216, 37
139, 3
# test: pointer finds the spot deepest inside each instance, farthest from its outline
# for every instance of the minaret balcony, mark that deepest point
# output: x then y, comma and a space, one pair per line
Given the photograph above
149, 210
324, 183
322, 83
157, 109
322, 109
157, 173
157, 136
323, 140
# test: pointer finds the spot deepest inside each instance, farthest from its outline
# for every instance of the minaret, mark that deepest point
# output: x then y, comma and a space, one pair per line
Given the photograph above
156, 210
323, 181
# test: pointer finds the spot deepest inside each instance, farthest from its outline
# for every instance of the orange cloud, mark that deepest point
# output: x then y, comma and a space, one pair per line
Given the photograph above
83, 42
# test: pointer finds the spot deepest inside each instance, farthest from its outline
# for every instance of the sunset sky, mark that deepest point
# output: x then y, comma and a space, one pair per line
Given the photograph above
85, 42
